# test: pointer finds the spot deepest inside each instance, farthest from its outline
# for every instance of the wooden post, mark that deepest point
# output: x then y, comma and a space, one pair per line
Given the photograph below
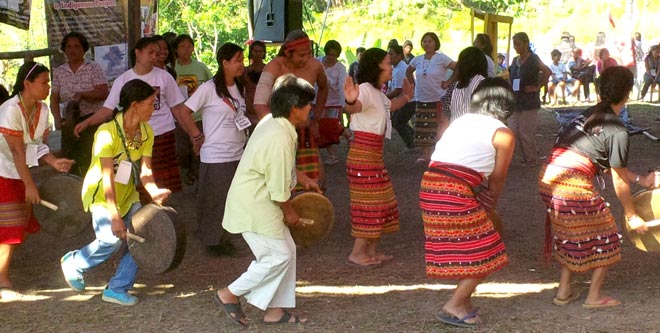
134, 29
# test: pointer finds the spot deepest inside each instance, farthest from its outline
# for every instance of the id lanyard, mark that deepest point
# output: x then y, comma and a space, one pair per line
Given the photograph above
134, 166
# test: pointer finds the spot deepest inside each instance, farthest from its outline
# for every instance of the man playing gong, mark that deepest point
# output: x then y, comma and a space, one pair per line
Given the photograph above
258, 207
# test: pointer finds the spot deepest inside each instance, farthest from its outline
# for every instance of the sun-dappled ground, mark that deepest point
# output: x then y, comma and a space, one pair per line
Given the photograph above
340, 298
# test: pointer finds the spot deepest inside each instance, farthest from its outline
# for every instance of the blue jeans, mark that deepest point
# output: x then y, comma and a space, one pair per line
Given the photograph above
105, 244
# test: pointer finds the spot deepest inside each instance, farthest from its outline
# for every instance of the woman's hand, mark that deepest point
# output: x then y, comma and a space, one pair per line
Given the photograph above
161, 195
351, 90
636, 223
118, 227
81, 127
408, 89
63, 164
32, 194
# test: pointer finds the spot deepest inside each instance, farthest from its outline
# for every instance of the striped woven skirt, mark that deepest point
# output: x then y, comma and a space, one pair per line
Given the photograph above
307, 156
374, 209
164, 165
460, 239
16, 216
583, 231
426, 123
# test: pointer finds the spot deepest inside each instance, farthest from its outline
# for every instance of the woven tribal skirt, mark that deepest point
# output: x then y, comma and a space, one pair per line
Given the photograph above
426, 123
584, 233
460, 239
164, 165
307, 156
374, 209
16, 216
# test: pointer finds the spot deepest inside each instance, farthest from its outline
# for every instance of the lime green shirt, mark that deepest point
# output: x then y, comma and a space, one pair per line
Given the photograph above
265, 176
108, 143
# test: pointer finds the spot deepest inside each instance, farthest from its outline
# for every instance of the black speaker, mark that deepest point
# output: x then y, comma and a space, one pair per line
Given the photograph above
272, 20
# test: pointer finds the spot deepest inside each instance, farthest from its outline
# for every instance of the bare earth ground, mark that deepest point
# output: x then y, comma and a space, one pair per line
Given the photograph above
339, 298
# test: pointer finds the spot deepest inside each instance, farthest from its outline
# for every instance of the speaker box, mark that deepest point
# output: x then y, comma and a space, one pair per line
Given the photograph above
272, 20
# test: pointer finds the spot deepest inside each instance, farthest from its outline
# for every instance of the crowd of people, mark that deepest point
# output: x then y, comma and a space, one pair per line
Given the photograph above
250, 137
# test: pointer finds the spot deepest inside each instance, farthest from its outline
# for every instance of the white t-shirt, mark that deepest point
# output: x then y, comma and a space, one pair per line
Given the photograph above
162, 120
13, 123
460, 98
375, 115
468, 141
223, 142
336, 76
398, 75
429, 75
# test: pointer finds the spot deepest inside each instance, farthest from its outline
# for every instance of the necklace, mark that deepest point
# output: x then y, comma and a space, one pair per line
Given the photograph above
425, 66
29, 116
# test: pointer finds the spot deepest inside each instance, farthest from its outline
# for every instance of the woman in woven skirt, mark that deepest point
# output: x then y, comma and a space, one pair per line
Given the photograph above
430, 80
374, 209
23, 125
461, 240
579, 224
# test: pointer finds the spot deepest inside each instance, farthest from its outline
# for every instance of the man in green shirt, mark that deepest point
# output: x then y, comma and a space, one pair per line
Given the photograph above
258, 207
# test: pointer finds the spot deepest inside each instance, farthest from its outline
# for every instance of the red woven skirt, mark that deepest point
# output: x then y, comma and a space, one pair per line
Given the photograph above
460, 239
164, 165
374, 209
16, 216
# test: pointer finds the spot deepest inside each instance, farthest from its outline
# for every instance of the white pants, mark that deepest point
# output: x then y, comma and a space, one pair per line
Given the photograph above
270, 281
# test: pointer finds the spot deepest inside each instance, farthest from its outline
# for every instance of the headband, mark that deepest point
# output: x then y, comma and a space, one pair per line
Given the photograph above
31, 69
288, 46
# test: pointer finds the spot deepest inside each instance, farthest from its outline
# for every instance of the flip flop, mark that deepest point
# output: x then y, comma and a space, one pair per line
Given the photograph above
233, 310
9, 294
285, 319
570, 299
459, 322
608, 302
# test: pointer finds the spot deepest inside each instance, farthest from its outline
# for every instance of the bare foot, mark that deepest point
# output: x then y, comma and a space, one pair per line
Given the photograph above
383, 257
363, 260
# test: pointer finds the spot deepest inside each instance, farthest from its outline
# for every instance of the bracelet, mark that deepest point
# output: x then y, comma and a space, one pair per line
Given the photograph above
199, 137
350, 103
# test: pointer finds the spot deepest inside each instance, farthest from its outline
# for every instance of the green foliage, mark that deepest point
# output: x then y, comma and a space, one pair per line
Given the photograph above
209, 22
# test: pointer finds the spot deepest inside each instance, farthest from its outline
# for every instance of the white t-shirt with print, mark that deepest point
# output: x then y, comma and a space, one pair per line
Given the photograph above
223, 142
162, 120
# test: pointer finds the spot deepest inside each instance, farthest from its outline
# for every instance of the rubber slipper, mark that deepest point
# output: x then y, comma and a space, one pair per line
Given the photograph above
285, 319
570, 299
9, 294
233, 311
606, 303
459, 322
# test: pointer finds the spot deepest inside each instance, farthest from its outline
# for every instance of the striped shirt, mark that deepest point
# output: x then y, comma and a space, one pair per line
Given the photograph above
460, 98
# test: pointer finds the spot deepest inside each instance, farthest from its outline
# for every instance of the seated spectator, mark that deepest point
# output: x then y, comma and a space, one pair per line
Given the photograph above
651, 75
604, 62
583, 71
559, 78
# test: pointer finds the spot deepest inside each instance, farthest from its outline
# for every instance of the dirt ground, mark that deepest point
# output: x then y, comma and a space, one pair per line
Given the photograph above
340, 298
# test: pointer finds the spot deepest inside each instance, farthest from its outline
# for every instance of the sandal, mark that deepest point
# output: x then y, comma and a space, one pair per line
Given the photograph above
285, 319
233, 311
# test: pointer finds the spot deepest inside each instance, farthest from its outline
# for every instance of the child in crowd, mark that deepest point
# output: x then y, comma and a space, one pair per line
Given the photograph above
560, 77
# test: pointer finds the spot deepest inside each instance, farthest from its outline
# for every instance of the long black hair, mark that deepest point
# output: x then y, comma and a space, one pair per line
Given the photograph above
28, 72
134, 90
141, 44
226, 52
615, 86
369, 67
471, 62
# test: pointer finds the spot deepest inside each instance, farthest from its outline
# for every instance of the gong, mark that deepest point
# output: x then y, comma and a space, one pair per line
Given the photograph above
157, 239
317, 216
647, 205
69, 220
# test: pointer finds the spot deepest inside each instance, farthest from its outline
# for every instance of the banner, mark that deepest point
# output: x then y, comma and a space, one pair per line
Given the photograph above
100, 21
149, 15
16, 13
